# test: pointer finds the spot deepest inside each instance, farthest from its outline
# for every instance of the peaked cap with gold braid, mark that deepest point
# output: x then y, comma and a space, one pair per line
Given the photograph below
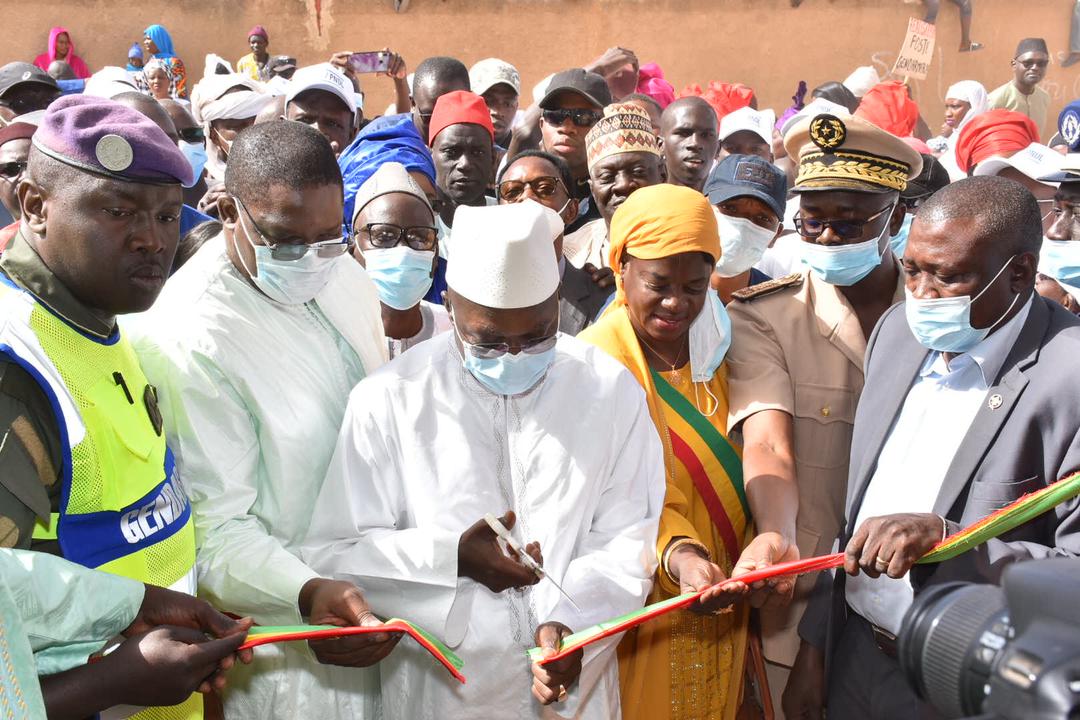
624, 128
849, 154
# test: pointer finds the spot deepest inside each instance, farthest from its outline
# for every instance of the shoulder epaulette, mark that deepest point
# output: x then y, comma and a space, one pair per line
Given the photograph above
767, 288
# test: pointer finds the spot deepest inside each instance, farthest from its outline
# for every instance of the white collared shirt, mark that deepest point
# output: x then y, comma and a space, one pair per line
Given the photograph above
928, 430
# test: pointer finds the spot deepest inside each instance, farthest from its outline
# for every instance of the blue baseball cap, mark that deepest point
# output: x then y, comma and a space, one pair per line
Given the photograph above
747, 176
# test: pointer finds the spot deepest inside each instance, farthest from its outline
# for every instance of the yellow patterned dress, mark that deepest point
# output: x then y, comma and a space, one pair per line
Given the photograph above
686, 666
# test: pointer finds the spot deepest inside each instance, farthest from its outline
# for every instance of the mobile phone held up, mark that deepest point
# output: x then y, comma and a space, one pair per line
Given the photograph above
369, 62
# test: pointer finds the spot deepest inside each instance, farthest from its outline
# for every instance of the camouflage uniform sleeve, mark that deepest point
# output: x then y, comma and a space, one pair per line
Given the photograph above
30, 458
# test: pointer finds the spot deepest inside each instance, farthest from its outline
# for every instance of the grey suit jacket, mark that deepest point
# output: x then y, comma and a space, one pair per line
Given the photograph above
580, 299
1024, 436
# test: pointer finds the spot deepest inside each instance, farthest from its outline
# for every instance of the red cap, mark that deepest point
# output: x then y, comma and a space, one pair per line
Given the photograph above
992, 133
456, 108
888, 106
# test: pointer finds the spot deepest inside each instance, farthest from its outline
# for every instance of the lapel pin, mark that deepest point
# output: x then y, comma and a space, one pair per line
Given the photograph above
995, 401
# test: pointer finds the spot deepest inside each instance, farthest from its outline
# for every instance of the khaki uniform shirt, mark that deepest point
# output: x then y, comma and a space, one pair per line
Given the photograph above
797, 346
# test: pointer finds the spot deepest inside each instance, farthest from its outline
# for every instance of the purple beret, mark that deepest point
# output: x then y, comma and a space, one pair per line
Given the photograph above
111, 140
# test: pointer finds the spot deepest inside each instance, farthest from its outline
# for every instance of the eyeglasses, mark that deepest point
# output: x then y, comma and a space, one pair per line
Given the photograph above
388, 235
192, 134
290, 252
489, 351
845, 229
13, 169
543, 187
581, 118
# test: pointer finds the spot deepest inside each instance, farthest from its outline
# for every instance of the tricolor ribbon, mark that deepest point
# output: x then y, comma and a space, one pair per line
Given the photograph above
264, 635
1007, 518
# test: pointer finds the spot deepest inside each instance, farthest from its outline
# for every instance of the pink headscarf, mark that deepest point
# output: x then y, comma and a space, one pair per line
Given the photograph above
651, 82
74, 61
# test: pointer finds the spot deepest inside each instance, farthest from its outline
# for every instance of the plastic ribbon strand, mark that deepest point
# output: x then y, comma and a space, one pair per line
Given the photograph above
264, 635
997, 523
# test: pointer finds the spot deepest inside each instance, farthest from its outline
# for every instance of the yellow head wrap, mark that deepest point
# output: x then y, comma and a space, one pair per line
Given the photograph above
659, 221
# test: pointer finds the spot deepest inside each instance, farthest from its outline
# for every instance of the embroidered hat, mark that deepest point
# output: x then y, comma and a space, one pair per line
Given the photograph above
849, 154
625, 127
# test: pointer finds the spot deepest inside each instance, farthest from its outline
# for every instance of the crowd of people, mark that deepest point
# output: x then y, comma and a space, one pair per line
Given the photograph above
267, 354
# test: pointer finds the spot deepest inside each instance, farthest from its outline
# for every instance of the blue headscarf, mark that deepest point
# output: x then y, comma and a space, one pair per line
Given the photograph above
162, 39
391, 138
1069, 125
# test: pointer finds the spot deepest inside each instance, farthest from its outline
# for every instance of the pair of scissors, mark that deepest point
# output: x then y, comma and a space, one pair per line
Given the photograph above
527, 560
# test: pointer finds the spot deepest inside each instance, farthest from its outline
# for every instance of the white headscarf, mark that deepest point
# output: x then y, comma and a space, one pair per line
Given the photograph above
210, 102
861, 80
974, 94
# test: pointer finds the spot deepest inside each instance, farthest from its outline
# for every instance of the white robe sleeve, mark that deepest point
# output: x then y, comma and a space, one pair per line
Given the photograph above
354, 533
243, 569
611, 574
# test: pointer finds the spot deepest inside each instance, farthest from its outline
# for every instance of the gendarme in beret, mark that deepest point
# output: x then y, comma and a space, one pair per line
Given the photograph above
111, 140
850, 154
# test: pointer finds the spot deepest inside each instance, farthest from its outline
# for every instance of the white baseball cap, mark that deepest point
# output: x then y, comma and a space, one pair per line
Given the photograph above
325, 77
490, 72
747, 118
1035, 161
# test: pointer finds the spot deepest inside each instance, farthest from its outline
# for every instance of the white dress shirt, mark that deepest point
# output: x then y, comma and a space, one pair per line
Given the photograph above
931, 424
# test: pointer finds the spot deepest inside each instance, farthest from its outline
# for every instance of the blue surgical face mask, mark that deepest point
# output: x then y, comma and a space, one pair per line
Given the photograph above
944, 324
845, 265
289, 282
899, 240
402, 276
507, 374
196, 157
1060, 259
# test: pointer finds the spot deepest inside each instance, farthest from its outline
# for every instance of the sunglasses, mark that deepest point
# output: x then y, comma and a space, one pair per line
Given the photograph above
542, 187
581, 118
192, 135
1029, 64
845, 229
13, 169
388, 235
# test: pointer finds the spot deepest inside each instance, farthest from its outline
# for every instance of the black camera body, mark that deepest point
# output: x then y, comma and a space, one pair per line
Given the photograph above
1011, 652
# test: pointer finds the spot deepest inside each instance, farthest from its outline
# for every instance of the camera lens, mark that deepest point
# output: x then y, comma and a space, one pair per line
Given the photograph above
949, 641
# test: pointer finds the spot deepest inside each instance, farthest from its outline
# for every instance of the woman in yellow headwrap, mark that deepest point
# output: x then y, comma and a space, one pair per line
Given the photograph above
671, 331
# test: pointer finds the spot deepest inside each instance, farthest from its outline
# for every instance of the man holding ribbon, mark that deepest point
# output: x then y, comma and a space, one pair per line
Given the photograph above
962, 414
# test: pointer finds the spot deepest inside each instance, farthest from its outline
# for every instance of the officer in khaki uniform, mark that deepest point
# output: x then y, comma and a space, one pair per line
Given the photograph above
796, 359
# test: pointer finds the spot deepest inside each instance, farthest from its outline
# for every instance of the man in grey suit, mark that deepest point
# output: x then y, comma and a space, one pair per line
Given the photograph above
544, 177
970, 402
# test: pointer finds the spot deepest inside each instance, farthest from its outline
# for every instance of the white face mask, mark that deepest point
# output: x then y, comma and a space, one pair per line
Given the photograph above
289, 282
742, 243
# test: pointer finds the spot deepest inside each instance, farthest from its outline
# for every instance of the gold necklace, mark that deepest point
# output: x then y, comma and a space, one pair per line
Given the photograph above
674, 371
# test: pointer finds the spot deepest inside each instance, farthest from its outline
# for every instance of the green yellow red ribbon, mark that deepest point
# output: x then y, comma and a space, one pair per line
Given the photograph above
264, 635
1007, 518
